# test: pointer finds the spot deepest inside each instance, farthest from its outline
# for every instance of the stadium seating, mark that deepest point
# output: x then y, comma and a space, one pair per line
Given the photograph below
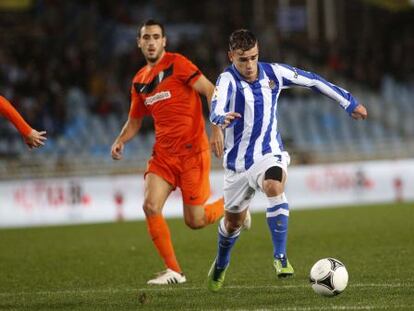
313, 127
84, 108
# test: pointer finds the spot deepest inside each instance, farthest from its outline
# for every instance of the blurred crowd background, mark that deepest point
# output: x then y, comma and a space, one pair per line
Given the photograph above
67, 67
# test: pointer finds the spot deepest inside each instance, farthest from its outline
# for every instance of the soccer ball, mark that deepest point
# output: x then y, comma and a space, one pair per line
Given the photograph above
328, 277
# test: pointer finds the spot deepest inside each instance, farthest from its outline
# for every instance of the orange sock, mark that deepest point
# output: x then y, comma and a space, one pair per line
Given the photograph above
160, 234
214, 211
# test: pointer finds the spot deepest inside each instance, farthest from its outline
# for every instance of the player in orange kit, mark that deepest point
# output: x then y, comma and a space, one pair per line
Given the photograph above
32, 138
168, 89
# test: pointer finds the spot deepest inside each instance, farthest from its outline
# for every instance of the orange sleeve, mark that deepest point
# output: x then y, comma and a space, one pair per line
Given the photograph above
8, 111
186, 71
137, 108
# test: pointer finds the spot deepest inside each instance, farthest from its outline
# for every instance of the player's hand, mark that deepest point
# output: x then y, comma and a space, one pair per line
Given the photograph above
35, 139
359, 113
217, 141
117, 149
229, 118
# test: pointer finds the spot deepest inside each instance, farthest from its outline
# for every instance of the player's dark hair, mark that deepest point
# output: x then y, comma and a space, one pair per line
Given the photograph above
242, 39
151, 22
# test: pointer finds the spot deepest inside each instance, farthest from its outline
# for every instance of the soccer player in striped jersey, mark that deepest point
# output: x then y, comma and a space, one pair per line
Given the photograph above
245, 105
31, 137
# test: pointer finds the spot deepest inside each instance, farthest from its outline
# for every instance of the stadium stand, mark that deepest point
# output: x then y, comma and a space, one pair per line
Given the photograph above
67, 67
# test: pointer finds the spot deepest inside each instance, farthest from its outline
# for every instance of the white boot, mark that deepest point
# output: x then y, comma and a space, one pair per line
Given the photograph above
168, 277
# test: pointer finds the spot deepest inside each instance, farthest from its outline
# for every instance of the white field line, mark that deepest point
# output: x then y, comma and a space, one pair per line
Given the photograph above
188, 288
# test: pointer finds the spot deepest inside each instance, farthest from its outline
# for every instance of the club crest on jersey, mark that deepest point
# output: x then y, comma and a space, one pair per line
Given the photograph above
272, 84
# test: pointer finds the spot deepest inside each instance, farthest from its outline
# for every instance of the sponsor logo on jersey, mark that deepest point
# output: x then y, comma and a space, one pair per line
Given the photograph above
157, 97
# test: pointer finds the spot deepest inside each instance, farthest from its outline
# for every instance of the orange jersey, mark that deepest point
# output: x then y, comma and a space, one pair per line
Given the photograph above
165, 92
8, 111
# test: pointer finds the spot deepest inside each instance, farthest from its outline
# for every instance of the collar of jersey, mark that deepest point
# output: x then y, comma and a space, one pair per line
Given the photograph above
240, 77
162, 61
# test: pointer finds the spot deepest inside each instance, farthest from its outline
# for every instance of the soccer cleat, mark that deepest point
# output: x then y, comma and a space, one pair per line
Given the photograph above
283, 267
216, 277
168, 277
247, 223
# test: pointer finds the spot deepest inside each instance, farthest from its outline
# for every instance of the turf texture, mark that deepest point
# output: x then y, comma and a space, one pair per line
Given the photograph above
106, 266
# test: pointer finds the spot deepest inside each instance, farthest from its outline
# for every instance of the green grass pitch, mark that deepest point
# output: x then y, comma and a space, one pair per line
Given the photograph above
106, 266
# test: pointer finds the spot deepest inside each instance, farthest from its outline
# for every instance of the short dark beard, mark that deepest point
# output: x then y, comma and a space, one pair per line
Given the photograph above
153, 59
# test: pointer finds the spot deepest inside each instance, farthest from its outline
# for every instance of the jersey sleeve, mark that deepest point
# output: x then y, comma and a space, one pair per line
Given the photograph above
291, 76
186, 71
137, 108
221, 99
10, 113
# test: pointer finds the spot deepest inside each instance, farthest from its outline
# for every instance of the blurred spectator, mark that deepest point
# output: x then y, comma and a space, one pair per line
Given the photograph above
65, 56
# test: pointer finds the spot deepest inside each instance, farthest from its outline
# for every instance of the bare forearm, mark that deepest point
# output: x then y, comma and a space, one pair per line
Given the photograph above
204, 87
209, 97
130, 129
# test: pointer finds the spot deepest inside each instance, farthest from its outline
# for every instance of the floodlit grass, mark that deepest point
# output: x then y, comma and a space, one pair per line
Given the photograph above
106, 266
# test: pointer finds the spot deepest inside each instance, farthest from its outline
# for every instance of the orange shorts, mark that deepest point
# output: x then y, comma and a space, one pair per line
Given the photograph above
188, 172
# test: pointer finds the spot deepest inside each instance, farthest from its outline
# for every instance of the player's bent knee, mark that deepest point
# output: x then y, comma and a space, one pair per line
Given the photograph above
273, 181
195, 224
272, 187
151, 208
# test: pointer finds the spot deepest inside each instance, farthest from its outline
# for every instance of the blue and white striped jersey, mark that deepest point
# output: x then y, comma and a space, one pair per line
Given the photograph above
255, 134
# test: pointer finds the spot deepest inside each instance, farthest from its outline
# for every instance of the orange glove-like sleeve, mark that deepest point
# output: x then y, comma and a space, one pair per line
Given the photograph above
10, 113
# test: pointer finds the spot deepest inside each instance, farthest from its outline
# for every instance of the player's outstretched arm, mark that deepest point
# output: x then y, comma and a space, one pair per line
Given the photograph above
292, 76
32, 138
130, 129
359, 113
